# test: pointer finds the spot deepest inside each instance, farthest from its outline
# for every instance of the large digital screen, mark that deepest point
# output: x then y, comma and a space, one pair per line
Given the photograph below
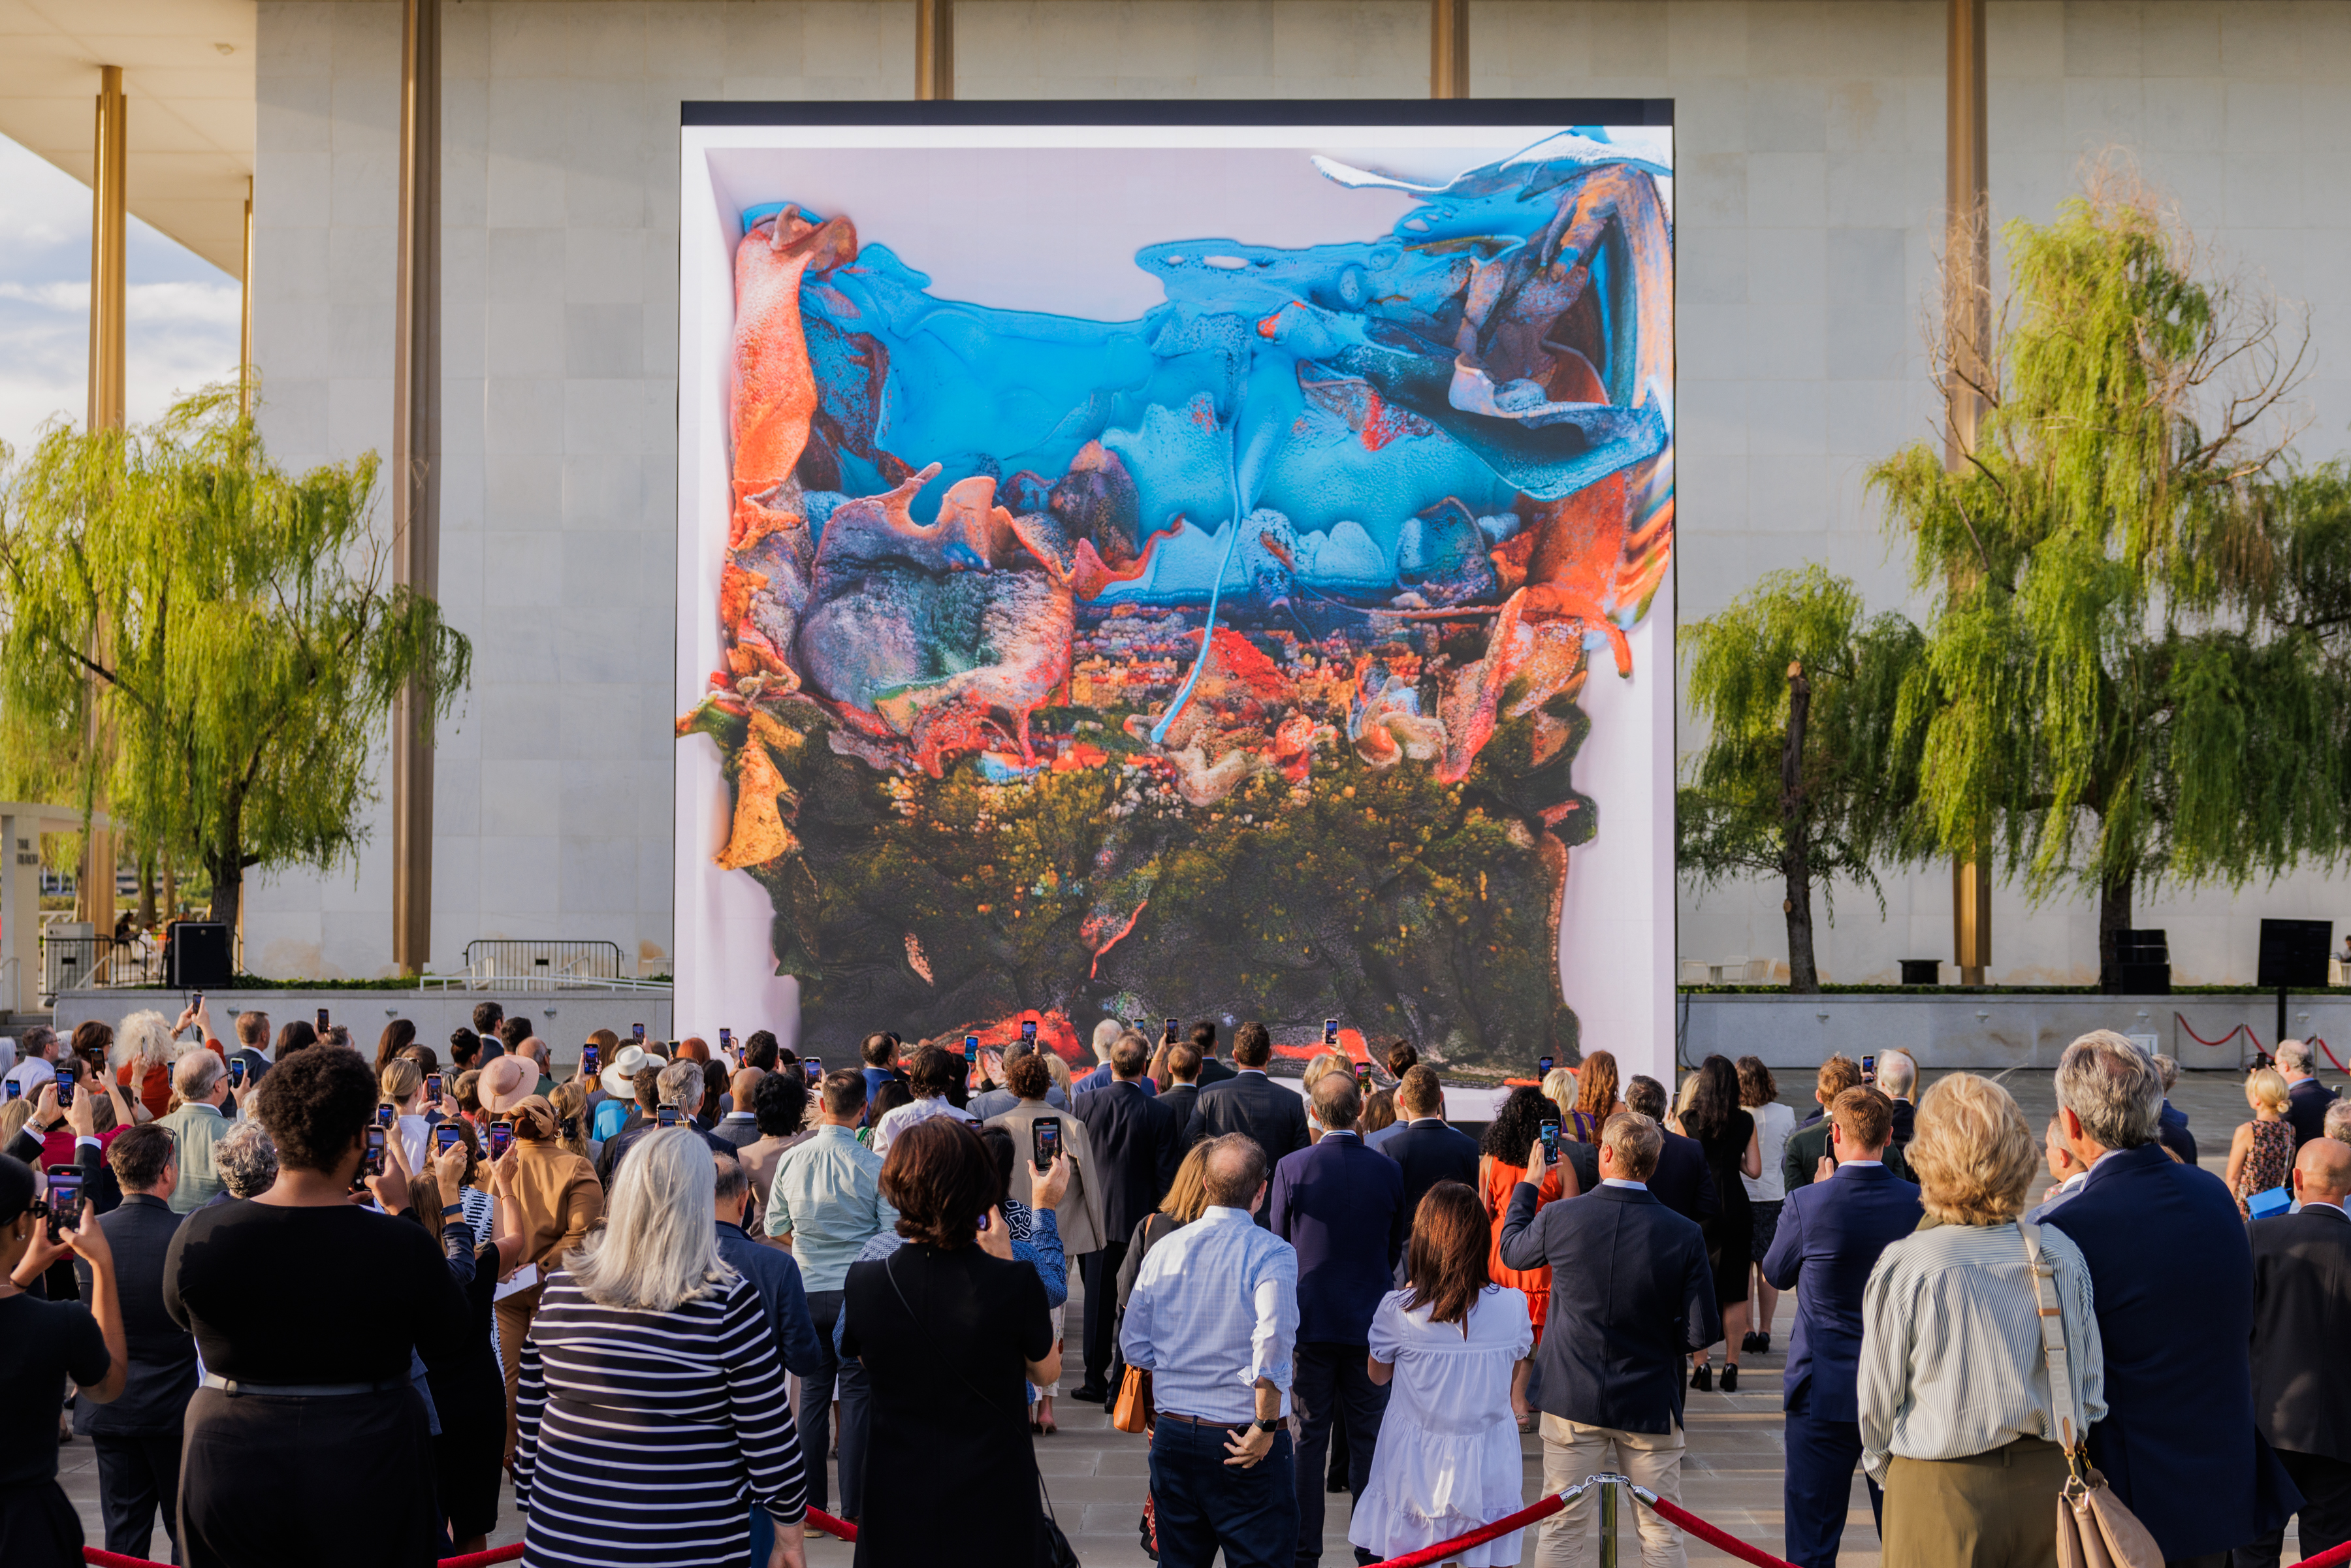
1154, 560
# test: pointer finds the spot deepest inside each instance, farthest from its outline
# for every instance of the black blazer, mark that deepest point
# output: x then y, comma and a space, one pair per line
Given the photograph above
162, 1354
1215, 1070
2305, 1107
1251, 1103
1631, 1296
2301, 1321
1136, 1149
1179, 1100
1682, 1183
1430, 1151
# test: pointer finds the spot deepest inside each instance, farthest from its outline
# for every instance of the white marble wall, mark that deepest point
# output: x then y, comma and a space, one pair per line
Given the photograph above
1809, 198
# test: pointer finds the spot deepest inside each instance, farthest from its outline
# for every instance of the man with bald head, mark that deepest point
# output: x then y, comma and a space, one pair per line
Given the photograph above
2302, 1319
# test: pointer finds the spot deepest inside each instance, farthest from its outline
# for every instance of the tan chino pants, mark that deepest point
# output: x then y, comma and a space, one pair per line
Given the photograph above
1572, 1451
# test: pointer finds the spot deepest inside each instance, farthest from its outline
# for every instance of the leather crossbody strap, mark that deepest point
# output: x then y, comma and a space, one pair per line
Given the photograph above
2053, 1339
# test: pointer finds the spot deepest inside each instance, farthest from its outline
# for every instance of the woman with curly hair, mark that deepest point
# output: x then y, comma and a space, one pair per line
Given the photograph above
141, 1058
1514, 1130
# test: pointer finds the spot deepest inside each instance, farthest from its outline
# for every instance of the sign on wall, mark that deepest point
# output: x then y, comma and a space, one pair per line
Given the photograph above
1160, 559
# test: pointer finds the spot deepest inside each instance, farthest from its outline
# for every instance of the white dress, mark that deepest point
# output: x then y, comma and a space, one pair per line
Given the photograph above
1447, 1461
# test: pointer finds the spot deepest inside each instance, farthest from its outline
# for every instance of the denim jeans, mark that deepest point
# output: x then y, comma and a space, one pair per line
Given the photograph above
1203, 1504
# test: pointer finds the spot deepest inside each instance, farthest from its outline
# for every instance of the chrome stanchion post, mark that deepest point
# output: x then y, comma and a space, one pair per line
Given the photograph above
1608, 1526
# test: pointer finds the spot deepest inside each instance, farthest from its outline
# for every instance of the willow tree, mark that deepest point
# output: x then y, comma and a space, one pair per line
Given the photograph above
2123, 680
1803, 775
205, 642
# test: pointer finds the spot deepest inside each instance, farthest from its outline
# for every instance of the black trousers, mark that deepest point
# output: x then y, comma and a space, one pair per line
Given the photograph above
816, 1414
137, 1474
1100, 1271
1331, 1388
2326, 1486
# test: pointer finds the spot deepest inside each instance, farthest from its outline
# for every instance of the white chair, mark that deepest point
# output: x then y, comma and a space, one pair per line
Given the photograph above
1730, 971
1695, 972
1756, 971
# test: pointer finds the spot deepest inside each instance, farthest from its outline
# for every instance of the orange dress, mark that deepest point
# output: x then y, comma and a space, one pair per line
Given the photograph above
1495, 1181
154, 1090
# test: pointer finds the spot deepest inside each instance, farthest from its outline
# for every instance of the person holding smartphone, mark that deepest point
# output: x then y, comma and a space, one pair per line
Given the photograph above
299, 1412
201, 1079
43, 1343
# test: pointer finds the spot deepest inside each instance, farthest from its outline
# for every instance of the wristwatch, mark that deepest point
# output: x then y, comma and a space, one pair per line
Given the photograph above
1267, 1426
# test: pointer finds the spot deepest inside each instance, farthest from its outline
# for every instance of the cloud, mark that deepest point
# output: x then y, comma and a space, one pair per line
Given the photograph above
183, 311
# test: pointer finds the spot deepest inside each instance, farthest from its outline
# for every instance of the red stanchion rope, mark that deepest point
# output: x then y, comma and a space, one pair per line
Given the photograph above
2333, 1557
1531, 1513
1674, 1513
817, 1520
2244, 1029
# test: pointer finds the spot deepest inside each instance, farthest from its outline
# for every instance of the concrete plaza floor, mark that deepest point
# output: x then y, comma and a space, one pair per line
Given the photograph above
1730, 1472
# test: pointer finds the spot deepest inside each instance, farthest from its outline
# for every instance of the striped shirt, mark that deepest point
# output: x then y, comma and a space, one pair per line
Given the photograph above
1951, 1361
1215, 1308
641, 1433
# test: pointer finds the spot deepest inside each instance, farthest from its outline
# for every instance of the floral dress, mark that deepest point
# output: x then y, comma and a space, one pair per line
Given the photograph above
2268, 1158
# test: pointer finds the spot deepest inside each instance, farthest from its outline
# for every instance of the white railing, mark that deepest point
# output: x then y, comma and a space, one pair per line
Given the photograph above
489, 975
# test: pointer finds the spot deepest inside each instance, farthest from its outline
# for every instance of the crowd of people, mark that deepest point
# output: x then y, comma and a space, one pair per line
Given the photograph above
314, 1307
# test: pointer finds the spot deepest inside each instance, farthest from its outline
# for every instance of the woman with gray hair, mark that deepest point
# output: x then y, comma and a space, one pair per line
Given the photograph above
141, 1059
1958, 1422
652, 1398
246, 1161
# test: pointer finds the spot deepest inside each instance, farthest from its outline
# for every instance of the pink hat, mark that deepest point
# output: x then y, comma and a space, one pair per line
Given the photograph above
506, 1082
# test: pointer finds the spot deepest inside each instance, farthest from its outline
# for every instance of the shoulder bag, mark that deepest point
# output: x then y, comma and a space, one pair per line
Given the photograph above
2094, 1529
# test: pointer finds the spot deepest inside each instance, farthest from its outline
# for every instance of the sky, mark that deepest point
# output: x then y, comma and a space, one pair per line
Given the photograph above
183, 309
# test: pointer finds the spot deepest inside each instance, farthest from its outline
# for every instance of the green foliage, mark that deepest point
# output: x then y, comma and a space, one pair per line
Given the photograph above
2126, 675
204, 645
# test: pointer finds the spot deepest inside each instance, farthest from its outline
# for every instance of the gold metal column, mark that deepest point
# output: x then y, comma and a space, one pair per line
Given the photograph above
416, 461
244, 316
109, 215
1967, 326
1448, 48
934, 49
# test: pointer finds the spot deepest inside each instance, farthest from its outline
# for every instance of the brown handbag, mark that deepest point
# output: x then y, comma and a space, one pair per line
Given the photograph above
2094, 1529
1132, 1412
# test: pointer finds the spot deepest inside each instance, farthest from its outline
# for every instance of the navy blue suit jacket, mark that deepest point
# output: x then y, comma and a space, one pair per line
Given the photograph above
1429, 1152
1829, 1238
1341, 1205
2172, 1273
2305, 1107
2171, 1132
1631, 1296
1682, 1182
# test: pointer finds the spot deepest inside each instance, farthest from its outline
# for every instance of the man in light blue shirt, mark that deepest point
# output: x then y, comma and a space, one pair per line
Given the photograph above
1214, 1319
826, 1202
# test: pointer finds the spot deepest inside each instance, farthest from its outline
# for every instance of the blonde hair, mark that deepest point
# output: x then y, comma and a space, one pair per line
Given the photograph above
144, 1038
1188, 1194
1059, 1069
2267, 1087
659, 1246
1973, 1155
571, 1100
399, 1078
1559, 1087
1324, 1062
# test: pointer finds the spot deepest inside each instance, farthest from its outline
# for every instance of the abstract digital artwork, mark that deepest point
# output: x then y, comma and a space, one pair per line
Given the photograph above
1220, 662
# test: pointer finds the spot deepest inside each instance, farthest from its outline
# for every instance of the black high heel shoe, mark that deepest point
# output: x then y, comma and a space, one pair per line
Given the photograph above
1731, 1378
1703, 1378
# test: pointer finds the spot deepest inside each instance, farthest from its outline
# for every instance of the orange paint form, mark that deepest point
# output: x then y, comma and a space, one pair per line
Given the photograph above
1350, 1041
1054, 1032
1091, 930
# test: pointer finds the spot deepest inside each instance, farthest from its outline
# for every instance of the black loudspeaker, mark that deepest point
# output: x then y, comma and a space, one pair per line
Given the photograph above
2294, 955
2142, 966
197, 955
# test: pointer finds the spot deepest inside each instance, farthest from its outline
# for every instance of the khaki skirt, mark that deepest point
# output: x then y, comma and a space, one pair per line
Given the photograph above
1993, 1510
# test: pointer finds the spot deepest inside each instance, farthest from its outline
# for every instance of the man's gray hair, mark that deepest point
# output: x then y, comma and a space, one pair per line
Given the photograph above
1336, 1103
2338, 1122
2167, 1069
2112, 1086
197, 1070
37, 1040
2293, 1056
245, 1159
680, 1084
1897, 1074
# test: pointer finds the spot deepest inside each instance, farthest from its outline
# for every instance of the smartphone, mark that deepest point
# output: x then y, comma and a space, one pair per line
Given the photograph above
1869, 1070
971, 1049
64, 1202
236, 1074
666, 1116
372, 1164
447, 1136
14, 1089
982, 1227
812, 1070
1029, 1031
1363, 1078
197, 1000
1543, 1067
322, 1020
1171, 1032
1330, 1034
65, 1090
590, 1059
433, 1087
1551, 1142
1044, 1141
501, 1138
638, 1030
385, 1115
727, 1040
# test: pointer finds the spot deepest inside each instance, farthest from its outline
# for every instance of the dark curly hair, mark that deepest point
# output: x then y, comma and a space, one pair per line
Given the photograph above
1517, 1124
316, 1103
779, 1105
940, 1179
